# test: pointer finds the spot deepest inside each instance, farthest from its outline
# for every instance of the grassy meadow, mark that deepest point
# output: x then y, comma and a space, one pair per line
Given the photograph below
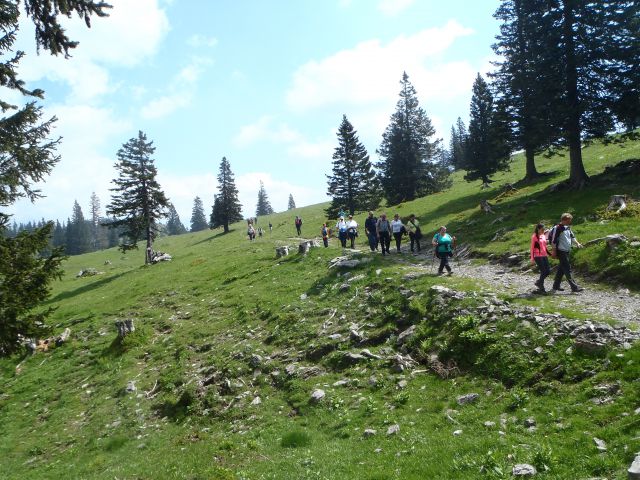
221, 328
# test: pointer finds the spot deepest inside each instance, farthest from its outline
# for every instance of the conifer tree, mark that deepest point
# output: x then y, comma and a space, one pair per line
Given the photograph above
97, 233
408, 153
353, 184
487, 149
198, 217
226, 207
263, 206
78, 233
292, 204
27, 155
174, 225
457, 145
138, 202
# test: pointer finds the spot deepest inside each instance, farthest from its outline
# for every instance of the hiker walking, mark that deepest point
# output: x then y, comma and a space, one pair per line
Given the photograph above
443, 243
383, 229
298, 223
352, 231
540, 255
562, 239
398, 229
260, 232
370, 228
270, 227
251, 232
342, 228
415, 234
324, 231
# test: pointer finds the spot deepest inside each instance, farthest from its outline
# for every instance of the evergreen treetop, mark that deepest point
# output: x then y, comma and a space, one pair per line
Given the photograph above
226, 207
198, 217
263, 207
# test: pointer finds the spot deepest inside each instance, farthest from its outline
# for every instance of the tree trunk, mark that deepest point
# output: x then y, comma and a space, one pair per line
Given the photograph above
531, 171
226, 227
577, 175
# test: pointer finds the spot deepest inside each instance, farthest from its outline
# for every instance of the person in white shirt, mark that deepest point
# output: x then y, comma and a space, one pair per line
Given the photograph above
398, 229
342, 228
352, 231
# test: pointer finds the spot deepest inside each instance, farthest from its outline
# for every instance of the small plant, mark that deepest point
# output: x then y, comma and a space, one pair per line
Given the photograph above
295, 439
517, 399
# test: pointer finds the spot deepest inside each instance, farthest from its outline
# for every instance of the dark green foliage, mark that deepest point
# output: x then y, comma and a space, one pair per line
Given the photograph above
137, 202
353, 184
226, 206
408, 168
457, 145
263, 206
292, 204
78, 233
198, 218
296, 439
174, 225
487, 149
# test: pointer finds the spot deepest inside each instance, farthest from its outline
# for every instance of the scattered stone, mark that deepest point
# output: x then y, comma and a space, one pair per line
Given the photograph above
600, 444
379, 270
344, 287
367, 353
587, 345
255, 361
335, 337
489, 424
538, 350
341, 383
369, 432
634, 469
468, 398
524, 470
393, 429
377, 450
256, 401
303, 296
355, 336
307, 245
530, 422
406, 335
317, 395
402, 384
457, 433
131, 386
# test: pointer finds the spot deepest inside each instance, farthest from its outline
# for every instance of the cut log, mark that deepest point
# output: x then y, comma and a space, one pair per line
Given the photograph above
125, 327
282, 251
486, 207
306, 245
619, 201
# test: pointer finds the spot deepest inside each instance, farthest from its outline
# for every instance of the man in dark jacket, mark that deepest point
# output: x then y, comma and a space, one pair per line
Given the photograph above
370, 227
563, 239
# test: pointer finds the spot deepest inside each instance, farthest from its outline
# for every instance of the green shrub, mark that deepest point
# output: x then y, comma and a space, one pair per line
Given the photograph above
295, 439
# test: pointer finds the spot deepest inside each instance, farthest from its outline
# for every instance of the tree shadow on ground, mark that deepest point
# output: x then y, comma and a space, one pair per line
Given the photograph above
85, 288
212, 237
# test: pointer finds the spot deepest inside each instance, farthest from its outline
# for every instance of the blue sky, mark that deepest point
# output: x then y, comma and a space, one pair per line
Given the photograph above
264, 83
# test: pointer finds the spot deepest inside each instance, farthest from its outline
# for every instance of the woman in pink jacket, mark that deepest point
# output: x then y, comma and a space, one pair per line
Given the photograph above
539, 254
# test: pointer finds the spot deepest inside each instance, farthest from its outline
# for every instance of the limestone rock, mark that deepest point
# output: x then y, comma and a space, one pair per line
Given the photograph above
634, 469
524, 470
468, 398
369, 432
406, 335
600, 444
317, 395
393, 429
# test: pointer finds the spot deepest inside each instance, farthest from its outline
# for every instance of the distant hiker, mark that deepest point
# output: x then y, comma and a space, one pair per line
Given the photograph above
270, 227
342, 228
398, 229
443, 243
415, 234
540, 255
260, 232
562, 238
251, 232
352, 231
383, 229
325, 235
370, 228
298, 223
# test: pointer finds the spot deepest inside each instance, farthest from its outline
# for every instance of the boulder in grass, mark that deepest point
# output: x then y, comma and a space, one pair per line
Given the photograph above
524, 470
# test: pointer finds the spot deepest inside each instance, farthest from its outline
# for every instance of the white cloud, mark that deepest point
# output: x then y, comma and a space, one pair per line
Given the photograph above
394, 7
370, 71
165, 105
198, 41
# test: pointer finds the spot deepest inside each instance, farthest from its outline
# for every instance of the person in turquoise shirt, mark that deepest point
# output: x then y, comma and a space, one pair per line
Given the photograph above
443, 243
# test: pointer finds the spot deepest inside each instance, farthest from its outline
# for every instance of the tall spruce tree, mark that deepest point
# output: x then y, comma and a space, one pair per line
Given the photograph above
226, 206
353, 184
457, 145
292, 204
27, 155
97, 230
137, 203
263, 207
174, 225
78, 233
487, 149
198, 217
408, 153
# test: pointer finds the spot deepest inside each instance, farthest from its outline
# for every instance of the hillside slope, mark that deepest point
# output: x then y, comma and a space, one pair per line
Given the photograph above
230, 344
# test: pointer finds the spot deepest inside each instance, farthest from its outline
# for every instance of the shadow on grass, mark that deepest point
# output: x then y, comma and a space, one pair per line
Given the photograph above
212, 237
85, 288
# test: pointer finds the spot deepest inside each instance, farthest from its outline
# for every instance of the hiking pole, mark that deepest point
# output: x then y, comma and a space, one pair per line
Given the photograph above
433, 258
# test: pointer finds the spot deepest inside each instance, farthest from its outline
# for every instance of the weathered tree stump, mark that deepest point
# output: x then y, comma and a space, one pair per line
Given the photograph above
617, 201
486, 207
125, 327
282, 251
306, 245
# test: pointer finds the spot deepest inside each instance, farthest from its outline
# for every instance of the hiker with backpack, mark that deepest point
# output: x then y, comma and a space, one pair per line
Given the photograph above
562, 239
370, 228
444, 245
325, 235
298, 223
342, 228
352, 231
251, 232
398, 229
540, 255
415, 234
383, 229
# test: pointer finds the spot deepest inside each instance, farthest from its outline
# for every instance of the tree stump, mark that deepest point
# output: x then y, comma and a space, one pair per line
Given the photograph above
617, 201
125, 327
306, 245
485, 206
282, 251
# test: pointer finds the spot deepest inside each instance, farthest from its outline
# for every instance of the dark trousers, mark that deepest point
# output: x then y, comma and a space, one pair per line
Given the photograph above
373, 241
385, 241
564, 269
343, 239
545, 269
414, 239
352, 238
398, 238
444, 262
325, 240
299, 229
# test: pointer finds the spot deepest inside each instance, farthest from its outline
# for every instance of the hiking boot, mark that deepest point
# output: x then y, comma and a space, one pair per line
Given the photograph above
538, 284
558, 289
577, 289
450, 273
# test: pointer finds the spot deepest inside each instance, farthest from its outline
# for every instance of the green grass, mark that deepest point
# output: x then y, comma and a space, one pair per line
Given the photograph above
201, 317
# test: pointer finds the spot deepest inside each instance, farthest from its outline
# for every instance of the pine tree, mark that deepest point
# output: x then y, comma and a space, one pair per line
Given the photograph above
137, 202
226, 207
292, 204
59, 237
263, 206
198, 217
353, 184
78, 234
174, 225
487, 150
27, 155
457, 145
97, 238
407, 151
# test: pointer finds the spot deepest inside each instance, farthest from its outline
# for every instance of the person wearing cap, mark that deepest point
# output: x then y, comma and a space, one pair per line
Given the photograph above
352, 231
370, 228
398, 229
415, 234
342, 228
383, 229
443, 243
